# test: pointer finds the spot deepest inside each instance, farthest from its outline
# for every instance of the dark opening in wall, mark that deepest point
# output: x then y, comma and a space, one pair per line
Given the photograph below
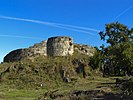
70, 44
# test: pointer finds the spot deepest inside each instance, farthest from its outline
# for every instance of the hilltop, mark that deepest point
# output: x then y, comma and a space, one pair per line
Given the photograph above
54, 46
56, 69
35, 68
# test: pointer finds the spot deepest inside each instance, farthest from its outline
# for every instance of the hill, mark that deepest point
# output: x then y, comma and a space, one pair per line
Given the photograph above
34, 74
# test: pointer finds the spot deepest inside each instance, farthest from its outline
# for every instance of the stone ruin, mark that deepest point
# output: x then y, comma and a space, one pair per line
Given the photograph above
60, 46
19, 54
54, 46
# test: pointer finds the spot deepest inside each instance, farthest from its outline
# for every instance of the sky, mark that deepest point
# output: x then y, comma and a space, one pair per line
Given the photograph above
26, 22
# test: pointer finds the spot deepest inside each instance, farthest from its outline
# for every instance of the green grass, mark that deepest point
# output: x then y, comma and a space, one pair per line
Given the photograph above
10, 92
22, 80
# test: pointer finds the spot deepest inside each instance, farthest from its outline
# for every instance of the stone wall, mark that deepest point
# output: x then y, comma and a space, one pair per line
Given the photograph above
55, 46
84, 49
37, 49
60, 46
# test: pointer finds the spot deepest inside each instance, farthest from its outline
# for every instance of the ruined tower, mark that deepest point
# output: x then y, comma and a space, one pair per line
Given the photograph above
60, 46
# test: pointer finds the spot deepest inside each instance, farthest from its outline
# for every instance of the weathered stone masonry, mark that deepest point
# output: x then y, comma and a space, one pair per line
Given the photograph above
54, 46
60, 46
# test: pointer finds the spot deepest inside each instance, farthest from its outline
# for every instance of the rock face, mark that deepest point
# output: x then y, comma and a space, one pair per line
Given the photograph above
15, 55
84, 49
54, 46
37, 49
19, 54
60, 46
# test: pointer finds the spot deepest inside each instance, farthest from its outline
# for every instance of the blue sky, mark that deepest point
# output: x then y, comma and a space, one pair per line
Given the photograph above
83, 13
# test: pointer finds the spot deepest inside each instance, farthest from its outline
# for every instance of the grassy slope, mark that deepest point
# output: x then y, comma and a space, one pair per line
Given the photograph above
10, 92
31, 78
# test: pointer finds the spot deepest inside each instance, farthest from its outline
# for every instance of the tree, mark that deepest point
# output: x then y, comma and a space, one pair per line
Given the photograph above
116, 33
96, 59
118, 55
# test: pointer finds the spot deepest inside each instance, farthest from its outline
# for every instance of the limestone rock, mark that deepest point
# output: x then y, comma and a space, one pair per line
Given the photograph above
19, 54
60, 46
54, 46
84, 49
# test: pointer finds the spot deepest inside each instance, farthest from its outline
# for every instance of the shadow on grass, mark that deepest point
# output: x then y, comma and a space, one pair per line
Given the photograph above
86, 95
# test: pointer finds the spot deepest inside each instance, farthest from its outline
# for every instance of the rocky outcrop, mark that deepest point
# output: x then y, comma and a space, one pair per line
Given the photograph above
55, 46
37, 49
19, 54
84, 49
15, 55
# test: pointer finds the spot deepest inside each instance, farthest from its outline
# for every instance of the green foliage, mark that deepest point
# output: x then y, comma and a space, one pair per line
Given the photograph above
127, 87
117, 56
116, 33
96, 60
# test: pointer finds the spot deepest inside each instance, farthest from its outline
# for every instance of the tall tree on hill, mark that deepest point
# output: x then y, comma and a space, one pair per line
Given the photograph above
118, 55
